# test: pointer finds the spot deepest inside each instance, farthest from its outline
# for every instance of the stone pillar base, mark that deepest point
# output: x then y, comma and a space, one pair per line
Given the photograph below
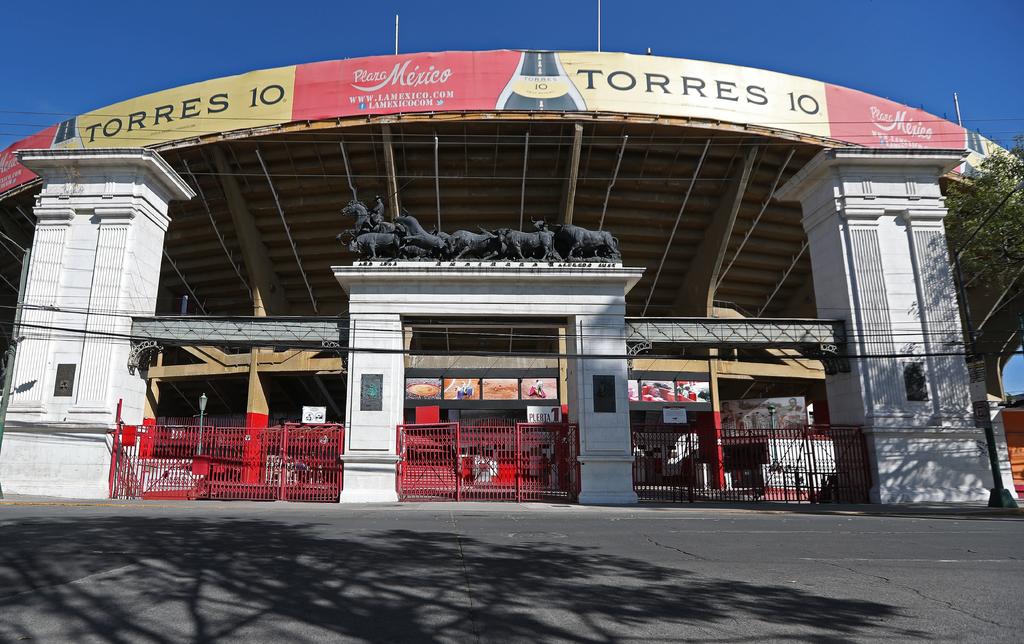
929, 465
43, 462
606, 480
369, 478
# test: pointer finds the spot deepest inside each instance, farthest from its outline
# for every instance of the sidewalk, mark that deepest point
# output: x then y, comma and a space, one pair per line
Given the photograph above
976, 509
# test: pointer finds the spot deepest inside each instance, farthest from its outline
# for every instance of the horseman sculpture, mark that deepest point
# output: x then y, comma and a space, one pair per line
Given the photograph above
373, 237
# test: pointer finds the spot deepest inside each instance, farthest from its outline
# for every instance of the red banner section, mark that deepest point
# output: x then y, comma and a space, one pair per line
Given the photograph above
12, 173
876, 122
442, 82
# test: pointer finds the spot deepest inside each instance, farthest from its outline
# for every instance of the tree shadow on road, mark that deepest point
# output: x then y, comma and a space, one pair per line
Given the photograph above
133, 579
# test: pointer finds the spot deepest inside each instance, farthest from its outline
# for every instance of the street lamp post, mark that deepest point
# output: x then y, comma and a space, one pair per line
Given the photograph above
202, 413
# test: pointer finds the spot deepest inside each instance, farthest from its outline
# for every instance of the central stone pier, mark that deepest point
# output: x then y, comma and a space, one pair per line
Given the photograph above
589, 297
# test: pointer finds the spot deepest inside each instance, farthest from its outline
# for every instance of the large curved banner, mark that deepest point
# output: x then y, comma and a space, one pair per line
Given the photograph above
499, 80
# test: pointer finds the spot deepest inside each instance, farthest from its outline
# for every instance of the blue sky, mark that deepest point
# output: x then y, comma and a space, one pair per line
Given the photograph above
62, 58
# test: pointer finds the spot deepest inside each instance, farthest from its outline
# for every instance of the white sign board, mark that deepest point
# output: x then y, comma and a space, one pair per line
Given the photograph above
314, 415
544, 414
673, 415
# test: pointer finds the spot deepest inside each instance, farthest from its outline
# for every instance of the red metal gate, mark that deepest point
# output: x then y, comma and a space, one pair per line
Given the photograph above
288, 462
811, 464
496, 460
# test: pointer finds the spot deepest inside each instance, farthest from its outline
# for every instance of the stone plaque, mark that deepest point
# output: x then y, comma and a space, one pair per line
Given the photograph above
371, 392
914, 379
64, 386
604, 394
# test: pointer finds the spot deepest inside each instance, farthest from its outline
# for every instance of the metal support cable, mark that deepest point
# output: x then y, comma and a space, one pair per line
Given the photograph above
679, 215
216, 230
757, 219
611, 184
784, 277
287, 231
23, 214
188, 287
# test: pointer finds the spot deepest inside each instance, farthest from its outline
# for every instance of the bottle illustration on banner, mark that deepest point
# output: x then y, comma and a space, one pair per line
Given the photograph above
540, 84
67, 136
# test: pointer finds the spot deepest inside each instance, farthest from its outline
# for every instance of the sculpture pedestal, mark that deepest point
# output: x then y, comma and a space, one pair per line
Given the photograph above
589, 297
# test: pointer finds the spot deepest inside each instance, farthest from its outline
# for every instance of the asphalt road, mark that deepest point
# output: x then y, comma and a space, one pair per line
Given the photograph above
280, 572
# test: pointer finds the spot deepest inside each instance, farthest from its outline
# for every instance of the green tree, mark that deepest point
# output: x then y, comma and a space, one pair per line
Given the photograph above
994, 256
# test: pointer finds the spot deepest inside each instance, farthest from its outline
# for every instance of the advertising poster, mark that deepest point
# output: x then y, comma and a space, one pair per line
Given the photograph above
633, 390
875, 122
423, 388
693, 391
539, 389
657, 391
501, 389
12, 173
756, 413
435, 82
462, 389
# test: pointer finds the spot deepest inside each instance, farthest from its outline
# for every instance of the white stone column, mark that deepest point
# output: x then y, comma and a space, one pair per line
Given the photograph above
374, 403
606, 458
95, 263
878, 250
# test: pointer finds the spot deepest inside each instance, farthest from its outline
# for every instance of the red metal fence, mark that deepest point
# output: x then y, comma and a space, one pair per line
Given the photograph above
811, 464
495, 460
288, 462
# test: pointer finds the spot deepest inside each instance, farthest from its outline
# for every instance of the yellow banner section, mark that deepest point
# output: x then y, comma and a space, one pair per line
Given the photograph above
236, 102
679, 87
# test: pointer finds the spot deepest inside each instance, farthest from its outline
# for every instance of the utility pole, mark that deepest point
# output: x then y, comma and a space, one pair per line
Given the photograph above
396, 34
12, 349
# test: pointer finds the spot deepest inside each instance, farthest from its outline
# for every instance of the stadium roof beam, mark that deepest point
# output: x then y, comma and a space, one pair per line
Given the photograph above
574, 169
757, 219
184, 282
394, 204
14, 232
782, 280
31, 222
268, 296
615, 175
801, 299
287, 229
280, 362
216, 230
522, 191
348, 168
696, 293
337, 411
675, 226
